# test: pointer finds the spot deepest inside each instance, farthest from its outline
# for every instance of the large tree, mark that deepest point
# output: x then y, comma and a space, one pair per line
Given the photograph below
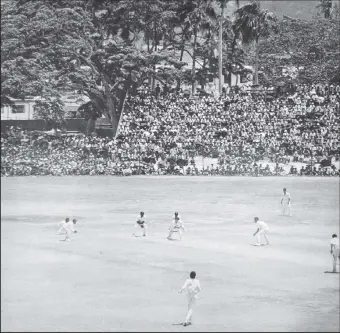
253, 24
201, 17
87, 46
150, 22
193, 19
223, 5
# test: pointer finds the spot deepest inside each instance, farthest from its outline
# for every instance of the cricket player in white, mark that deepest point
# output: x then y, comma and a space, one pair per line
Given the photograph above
73, 226
141, 223
63, 226
262, 229
176, 226
335, 251
285, 202
193, 288
68, 228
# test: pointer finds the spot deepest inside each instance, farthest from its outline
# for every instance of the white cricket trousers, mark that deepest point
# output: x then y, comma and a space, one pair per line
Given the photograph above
335, 258
286, 208
191, 304
62, 230
68, 235
143, 228
264, 233
178, 230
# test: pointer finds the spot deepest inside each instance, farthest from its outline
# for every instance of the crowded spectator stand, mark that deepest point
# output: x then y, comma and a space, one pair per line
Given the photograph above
245, 132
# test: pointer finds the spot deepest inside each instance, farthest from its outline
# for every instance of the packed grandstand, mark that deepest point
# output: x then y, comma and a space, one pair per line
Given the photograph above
240, 133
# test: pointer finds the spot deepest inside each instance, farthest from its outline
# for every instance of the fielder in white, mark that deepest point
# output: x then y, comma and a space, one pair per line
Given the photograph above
262, 229
335, 251
67, 227
73, 226
63, 226
285, 202
193, 288
141, 223
176, 226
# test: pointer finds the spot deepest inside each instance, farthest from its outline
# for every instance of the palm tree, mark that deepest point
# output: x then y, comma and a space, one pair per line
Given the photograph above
234, 61
325, 8
253, 23
201, 18
223, 5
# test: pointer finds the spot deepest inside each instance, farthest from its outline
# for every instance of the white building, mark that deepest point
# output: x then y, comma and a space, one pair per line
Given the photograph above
21, 110
24, 109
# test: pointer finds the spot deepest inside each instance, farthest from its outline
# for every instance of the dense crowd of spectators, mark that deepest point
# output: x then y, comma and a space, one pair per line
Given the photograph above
163, 133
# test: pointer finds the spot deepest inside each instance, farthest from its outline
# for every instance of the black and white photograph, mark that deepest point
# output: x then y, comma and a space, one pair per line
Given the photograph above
170, 165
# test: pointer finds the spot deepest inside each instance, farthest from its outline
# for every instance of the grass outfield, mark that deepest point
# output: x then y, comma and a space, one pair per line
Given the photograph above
106, 280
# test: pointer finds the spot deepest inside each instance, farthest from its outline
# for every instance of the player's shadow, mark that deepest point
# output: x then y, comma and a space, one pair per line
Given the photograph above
181, 324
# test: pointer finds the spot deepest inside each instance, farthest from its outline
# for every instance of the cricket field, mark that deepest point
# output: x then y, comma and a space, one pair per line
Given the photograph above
107, 280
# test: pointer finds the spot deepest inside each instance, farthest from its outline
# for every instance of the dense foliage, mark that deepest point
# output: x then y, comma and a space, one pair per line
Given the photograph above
49, 47
102, 49
252, 24
311, 45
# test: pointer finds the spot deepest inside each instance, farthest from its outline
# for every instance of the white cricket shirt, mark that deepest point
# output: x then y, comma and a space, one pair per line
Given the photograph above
63, 224
335, 242
192, 287
285, 198
71, 226
178, 223
141, 220
262, 226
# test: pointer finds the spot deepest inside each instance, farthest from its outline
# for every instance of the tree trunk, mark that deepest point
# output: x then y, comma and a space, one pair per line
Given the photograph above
203, 76
193, 72
149, 51
153, 80
220, 46
182, 51
256, 76
113, 116
181, 59
111, 109
90, 125
328, 9
121, 112
154, 48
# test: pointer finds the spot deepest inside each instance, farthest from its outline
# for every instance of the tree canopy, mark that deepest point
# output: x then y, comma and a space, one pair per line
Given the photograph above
252, 24
312, 46
102, 48
49, 47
